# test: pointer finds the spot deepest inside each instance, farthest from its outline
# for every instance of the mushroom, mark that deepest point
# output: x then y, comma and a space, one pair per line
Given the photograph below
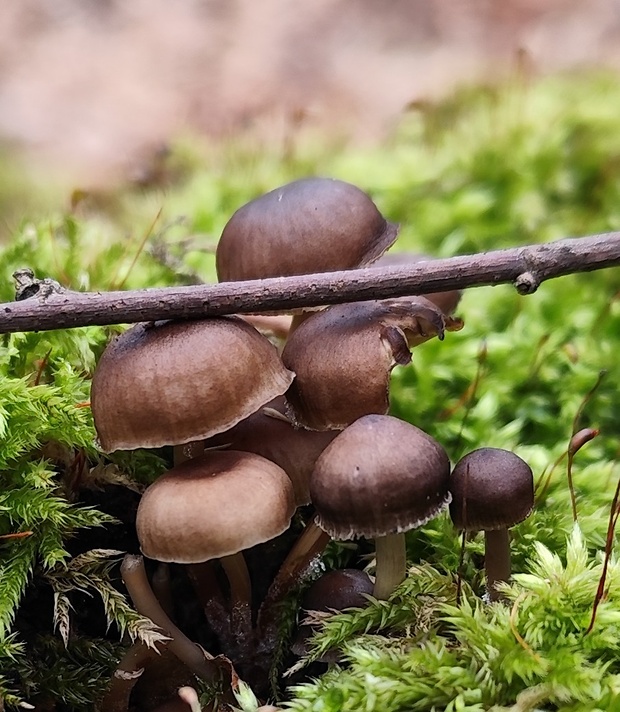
309, 225
333, 591
380, 478
214, 506
342, 357
269, 433
173, 383
492, 490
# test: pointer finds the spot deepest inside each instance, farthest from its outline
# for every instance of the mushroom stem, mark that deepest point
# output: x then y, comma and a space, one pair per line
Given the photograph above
236, 571
391, 566
207, 588
127, 673
160, 583
496, 560
308, 546
135, 579
182, 453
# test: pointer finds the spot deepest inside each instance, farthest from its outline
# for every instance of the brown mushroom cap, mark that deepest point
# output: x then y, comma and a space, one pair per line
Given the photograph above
214, 506
491, 489
379, 476
342, 357
310, 225
446, 301
333, 591
176, 382
295, 450
337, 590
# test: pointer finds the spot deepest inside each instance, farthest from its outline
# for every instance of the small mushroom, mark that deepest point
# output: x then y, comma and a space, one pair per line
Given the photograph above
492, 490
214, 506
309, 225
177, 382
334, 591
380, 478
343, 356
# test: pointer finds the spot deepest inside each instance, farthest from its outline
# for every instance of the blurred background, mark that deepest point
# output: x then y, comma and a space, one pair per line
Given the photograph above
90, 87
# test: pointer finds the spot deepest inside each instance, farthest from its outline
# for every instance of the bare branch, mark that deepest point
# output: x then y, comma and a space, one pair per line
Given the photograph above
526, 267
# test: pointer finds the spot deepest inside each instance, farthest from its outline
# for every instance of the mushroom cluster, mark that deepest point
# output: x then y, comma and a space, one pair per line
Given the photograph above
257, 434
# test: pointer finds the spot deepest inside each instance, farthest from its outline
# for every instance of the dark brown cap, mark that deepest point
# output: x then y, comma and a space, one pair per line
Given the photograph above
379, 476
337, 590
269, 433
176, 382
491, 489
446, 301
333, 591
214, 506
342, 357
310, 225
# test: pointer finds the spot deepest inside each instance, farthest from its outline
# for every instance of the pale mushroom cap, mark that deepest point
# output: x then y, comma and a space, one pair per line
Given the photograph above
176, 382
310, 225
295, 450
343, 356
214, 506
491, 489
379, 476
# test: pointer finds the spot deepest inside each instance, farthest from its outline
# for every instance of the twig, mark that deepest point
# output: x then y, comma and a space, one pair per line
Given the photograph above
614, 513
526, 267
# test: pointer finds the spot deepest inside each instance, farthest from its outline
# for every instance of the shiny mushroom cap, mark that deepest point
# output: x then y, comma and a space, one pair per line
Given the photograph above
342, 357
334, 591
214, 506
310, 225
269, 433
446, 301
491, 489
337, 590
379, 476
176, 382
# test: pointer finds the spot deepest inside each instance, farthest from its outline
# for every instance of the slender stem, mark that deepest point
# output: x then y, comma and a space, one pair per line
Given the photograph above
391, 565
236, 571
526, 267
128, 672
308, 546
207, 588
137, 583
183, 453
496, 560
160, 581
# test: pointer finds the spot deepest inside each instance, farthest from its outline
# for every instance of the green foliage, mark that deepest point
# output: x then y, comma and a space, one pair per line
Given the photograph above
486, 168
486, 656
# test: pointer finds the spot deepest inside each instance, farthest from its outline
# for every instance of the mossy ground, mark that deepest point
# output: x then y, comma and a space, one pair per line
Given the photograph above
487, 168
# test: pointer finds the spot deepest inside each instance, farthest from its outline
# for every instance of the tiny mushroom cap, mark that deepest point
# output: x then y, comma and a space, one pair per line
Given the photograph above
337, 590
491, 489
342, 357
310, 225
379, 476
172, 383
214, 506
269, 433
333, 591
